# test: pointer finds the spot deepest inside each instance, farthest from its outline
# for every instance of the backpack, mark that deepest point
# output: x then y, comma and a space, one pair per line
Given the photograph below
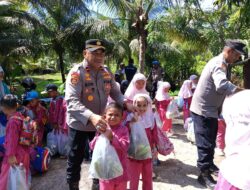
42, 160
28, 135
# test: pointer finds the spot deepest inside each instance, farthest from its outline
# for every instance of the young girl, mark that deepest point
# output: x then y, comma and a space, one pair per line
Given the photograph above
39, 112
162, 100
235, 168
187, 94
57, 117
220, 139
15, 153
119, 138
137, 85
143, 104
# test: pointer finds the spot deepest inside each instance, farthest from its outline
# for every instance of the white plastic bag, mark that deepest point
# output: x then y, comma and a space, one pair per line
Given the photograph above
139, 147
62, 140
180, 102
172, 110
158, 120
105, 162
52, 142
190, 131
17, 178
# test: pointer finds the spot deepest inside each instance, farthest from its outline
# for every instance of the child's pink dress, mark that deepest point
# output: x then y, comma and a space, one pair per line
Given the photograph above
161, 107
120, 142
13, 148
220, 140
40, 113
57, 113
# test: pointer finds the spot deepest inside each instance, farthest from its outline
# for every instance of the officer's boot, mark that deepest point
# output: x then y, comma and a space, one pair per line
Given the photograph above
74, 186
206, 180
95, 184
214, 169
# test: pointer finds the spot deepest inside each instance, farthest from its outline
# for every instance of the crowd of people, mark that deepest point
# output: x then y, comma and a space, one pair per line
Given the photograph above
114, 122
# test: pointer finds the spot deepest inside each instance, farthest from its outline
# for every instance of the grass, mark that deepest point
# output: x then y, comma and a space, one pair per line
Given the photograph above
41, 82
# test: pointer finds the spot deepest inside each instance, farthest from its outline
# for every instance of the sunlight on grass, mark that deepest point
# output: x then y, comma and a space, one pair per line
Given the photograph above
41, 82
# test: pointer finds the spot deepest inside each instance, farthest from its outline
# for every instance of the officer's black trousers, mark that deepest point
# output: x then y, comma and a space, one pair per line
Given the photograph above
205, 130
76, 145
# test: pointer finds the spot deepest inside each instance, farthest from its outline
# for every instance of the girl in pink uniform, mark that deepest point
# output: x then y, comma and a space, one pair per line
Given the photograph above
57, 110
187, 94
162, 100
15, 152
143, 167
119, 138
40, 113
235, 168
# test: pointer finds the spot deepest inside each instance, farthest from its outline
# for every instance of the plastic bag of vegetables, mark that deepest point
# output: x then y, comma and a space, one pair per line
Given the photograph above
105, 162
139, 147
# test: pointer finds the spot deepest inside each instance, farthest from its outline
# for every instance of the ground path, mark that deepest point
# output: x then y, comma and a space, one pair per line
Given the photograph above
176, 172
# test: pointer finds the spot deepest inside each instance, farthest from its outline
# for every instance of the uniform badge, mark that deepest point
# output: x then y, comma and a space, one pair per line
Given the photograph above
75, 78
90, 98
88, 90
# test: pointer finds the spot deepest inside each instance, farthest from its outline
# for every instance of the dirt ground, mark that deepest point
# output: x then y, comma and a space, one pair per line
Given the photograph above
174, 173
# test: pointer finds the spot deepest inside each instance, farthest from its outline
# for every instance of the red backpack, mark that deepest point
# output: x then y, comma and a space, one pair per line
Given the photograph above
28, 135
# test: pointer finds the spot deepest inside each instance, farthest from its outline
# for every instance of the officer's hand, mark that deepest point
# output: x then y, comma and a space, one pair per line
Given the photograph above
99, 123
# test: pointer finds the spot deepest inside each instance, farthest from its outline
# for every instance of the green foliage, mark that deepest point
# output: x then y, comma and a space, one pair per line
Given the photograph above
41, 82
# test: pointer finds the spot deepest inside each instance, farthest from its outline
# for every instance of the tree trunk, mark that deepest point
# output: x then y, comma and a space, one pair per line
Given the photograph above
246, 75
142, 51
61, 63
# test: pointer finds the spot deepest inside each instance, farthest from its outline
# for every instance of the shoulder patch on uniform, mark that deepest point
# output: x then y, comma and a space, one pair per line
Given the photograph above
223, 66
74, 78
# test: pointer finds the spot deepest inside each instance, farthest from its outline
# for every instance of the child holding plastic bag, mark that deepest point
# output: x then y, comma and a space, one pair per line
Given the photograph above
16, 154
162, 100
118, 137
136, 86
57, 119
187, 94
140, 156
39, 111
234, 169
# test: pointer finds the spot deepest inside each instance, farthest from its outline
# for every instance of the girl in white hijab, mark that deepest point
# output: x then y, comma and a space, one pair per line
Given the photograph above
136, 86
143, 167
162, 100
187, 94
235, 168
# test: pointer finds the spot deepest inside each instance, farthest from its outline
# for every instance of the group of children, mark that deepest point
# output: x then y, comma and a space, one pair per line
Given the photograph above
136, 157
27, 127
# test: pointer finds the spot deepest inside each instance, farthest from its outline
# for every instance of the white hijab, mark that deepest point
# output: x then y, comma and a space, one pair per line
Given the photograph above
161, 94
147, 119
186, 89
236, 112
132, 90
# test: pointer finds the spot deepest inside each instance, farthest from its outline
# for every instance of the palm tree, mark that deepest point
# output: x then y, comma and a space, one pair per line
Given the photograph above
56, 17
137, 13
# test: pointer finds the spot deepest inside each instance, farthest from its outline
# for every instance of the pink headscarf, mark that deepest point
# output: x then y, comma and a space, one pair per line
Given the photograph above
186, 89
147, 119
132, 90
161, 94
235, 167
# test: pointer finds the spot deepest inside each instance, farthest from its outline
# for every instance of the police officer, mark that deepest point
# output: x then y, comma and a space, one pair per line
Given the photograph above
88, 86
208, 97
